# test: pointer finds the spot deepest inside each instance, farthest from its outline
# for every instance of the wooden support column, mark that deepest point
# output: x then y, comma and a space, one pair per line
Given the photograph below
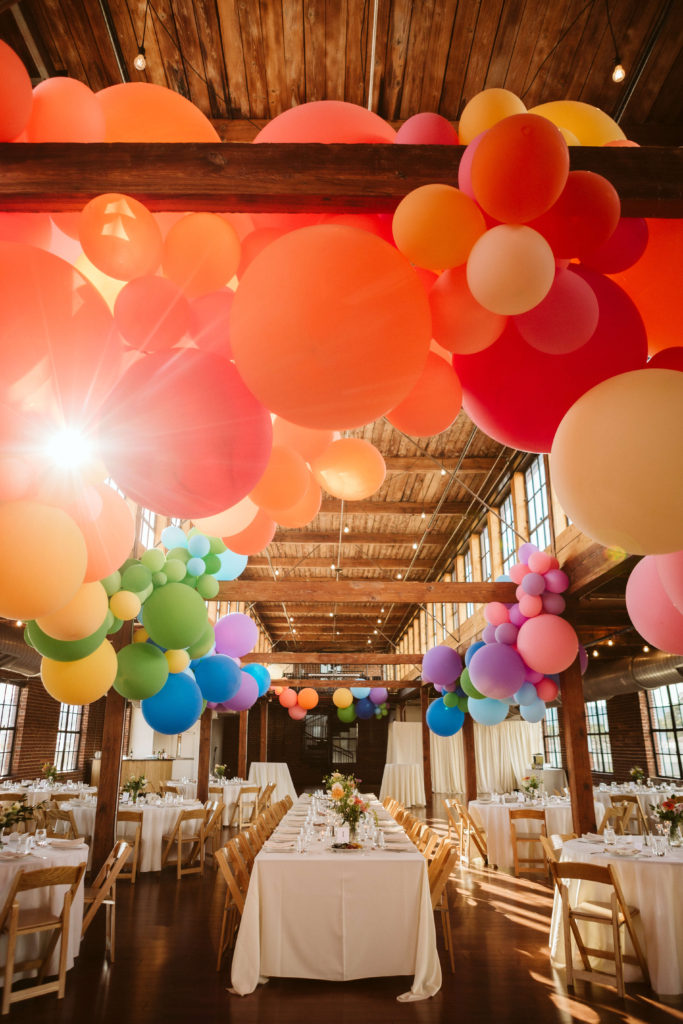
470, 759
263, 733
242, 747
426, 747
110, 774
204, 759
576, 746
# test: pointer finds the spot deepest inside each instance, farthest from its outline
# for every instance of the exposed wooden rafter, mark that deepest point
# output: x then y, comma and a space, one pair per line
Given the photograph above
372, 591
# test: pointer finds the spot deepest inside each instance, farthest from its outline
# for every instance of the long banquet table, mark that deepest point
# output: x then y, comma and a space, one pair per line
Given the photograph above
337, 916
653, 884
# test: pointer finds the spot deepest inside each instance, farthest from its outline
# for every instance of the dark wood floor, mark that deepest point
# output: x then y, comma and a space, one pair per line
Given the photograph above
165, 968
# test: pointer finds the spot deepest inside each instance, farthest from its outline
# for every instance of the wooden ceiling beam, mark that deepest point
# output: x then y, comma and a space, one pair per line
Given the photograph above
354, 537
424, 464
333, 506
368, 660
290, 177
372, 591
330, 684
260, 562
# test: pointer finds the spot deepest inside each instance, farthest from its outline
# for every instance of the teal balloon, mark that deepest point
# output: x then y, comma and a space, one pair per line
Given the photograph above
232, 565
196, 567
261, 675
217, 545
347, 715
177, 705
142, 671
488, 711
173, 537
65, 650
175, 570
153, 559
208, 587
112, 583
468, 686
199, 545
212, 564
360, 692
174, 616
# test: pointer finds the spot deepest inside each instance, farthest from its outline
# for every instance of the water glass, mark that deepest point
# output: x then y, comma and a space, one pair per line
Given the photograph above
6, 833
660, 846
609, 836
41, 837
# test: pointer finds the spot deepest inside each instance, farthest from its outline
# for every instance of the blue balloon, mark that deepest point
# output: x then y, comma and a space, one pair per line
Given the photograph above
262, 676
232, 565
173, 537
196, 567
365, 708
360, 691
504, 579
195, 661
471, 651
177, 705
533, 712
199, 545
444, 721
526, 694
218, 678
488, 711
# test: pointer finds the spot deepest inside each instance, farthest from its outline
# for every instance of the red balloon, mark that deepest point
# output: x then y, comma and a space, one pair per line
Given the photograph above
254, 243
65, 110
327, 121
210, 322
670, 569
182, 435
623, 248
151, 313
667, 359
583, 218
434, 402
565, 319
31, 228
427, 129
654, 283
253, 538
539, 387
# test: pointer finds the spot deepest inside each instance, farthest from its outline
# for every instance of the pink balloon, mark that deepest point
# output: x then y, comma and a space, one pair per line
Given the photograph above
533, 583
540, 561
246, 696
623, 248
236, 634
427, 129
651, 610
547, 689
506, 633
530, 605
556, 581
548, 644
670, 569
553, 604
533, 677
288, 698
465, 166
516, 616
496, 613
565, 319
327, 121
517, 572
297, 712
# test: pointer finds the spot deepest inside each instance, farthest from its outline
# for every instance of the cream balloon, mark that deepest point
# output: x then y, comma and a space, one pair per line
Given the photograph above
510, 269
233, 520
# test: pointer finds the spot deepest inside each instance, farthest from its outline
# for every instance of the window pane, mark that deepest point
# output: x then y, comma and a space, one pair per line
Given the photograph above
666, 726
68, 737
469, 577
508, 538
485, 549
551, 737
537, 503
598, 736
9, 702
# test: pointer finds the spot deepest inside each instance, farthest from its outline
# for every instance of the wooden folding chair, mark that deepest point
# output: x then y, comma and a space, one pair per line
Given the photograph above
247, 851
216, 792
133, 838
288, 801
614, 816
67, 794
54, 816
240, 868
439, 872
528, 864
614, 913
12, 798
453, 819
168, 787
15, 922
214, 825
233, 906
633, 814
245, 806
265, 797
472, 833
552, 845
180, 836
103, 893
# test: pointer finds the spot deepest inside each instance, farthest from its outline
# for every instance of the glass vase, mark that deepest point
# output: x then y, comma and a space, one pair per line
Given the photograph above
675, 837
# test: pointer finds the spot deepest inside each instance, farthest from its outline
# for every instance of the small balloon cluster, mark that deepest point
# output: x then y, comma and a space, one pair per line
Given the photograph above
357, 702
524, 647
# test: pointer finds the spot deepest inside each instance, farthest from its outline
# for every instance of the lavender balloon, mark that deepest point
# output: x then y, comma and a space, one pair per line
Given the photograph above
488, 634
525, 552
236, 634
553, 604
556, 581
583, 659
497, 670
378, 694
441, 665
246, 696
516, 617
506, 633
533, 583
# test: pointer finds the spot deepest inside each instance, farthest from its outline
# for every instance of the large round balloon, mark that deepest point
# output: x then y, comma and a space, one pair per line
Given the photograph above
510, 269
262, 677
174, 616
236, 634
284, 481
143, 112
152, 313
142, 671
176, 707
218, 677
305, 510
433, 404
540, 387
348, 352
670, 569
80, 616
460, 323
201, 253
254, 537
246, 696
232, 565
653, 283
427, 129
109, 536
347, 714
590, 125
441, 665
435, 226
485, 109
443, 720
82, 681
598, 457
15, 94
651, 610
342, 697
350, 468
364, 708
497, 670
327, 121
547, 643
182, 434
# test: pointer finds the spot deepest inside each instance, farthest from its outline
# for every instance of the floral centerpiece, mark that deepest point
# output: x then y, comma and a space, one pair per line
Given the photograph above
637, 774
16, 812
134, 786
346, 801
531, 785
671, 812
219, 770
49, 772
330, 779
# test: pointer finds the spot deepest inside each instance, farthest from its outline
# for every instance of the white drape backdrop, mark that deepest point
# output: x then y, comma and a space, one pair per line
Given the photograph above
503, 752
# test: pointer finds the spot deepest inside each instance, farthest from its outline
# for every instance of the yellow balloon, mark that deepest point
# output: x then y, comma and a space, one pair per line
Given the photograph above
125, 604
510, 269
590, 125
81, 681
486, 109
140, 635
617, 462
178, 660
80, 616
342, 698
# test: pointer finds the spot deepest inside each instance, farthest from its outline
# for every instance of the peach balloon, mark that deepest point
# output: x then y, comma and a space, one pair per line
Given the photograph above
65, 110
284, 481
297, 713
650, 609
511, 269
109, 538
307, 442
305, 510
201, 253
81, 681
16, 95
486, 109
43, 557
288, 697
308, 698
547, 643
350, 468
253, 538
460, 323
232, 520
598, 456
151, 313
143, 112
120, 236
79, 617
435, 226
591, 126
433, 404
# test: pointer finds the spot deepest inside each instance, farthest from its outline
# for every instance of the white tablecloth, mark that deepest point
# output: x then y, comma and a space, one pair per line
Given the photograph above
44, 857
186, 789
36, 796
495, 819
405, 782
336, 917
231, 791
646, 798
261, 773
652, 884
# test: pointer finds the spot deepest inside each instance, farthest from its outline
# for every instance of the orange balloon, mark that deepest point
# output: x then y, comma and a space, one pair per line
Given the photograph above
151, 313
120, 236
434, 402
79, 617
15, 94
253, 538
143, 112
435, 226
350, 468
43, 558
65, 110
307, 442
110, 536
459, 322
486, 109
511, 269
233, 520
284, 482
307, 698
304, 511
520, 168
654, 284
337, 315
201, 253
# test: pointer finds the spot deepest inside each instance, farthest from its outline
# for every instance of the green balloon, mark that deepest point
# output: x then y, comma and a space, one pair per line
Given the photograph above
347, 714
175, 570
174, 616
180, 553
112, 583
142, 671
191, 581
461, 702
65, 650
218, 546
115, 625
144, 594
468, 686
159, 579
127, 564
204, 703
27, 638
212, 563
193, 531
153, 559
451, 700
136, 578
204, 644
207, 586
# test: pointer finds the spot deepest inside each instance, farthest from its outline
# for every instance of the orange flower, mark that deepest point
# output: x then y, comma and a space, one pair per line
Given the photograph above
337, 791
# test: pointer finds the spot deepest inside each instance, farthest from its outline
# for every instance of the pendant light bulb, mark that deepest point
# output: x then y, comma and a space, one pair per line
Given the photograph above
140, 62
619, 74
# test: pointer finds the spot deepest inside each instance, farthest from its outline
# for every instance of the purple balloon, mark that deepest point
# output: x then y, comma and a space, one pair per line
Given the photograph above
516, 617
533, 583
525, 552
441, 665
449, 687
583, 659
532, 676
488, 634
378, 694
553, 604
236, 634
497, 671
246, 696
556, 581
506, 633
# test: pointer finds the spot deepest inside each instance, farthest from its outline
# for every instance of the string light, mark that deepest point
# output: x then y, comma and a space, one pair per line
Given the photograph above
140, 61
331, 615
619, 74
399, 576
596, 653
610, 643
646, 649
346, 529
414, 547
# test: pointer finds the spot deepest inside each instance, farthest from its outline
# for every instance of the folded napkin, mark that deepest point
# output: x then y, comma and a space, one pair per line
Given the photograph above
593, 837
397, 840
66, 843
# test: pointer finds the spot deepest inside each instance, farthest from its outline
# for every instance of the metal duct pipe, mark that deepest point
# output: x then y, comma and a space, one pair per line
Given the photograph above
15, 654
628, 675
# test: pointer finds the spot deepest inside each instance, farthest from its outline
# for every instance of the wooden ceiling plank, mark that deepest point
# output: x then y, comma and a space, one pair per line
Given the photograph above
333, 506
372, 591
233, 58
462, 40
260, 561
398, 35
208, 30
293, 33
354, 537
368, 660
436, 56
254, 60
55, 32
355, 54
191, 54
525, 45
484, 38
161, 23
569, 18
273, 42
653, 98
331, 684
510, 26
416, 57
314, 49
94, 42
335, 49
